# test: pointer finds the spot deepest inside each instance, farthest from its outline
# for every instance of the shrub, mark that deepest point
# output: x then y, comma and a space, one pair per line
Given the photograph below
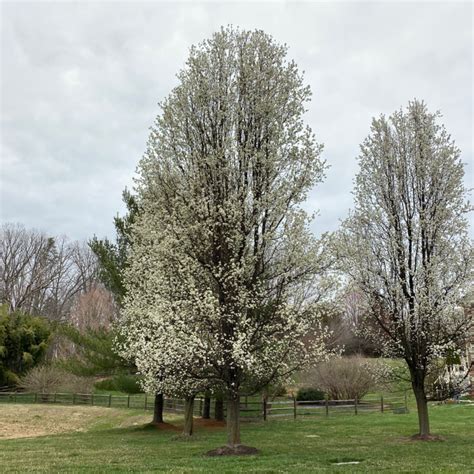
23, 343
8, 377
107, 385
128, 384
121, 383
348, 378
49, 379
308, 394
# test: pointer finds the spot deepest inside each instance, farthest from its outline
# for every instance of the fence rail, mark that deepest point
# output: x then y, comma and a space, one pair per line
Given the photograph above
141, 402
250, 410
297, 408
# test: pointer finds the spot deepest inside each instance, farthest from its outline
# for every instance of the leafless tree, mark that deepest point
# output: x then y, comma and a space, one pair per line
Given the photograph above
94, 309
41, 274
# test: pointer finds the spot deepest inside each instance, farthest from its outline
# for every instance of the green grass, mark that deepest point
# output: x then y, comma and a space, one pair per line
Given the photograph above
378, 441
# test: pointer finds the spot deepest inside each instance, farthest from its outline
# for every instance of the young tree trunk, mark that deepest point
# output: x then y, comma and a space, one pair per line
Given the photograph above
219, 409
422, 408
418, 385
233, 421
188, 416
158, 408
206, 409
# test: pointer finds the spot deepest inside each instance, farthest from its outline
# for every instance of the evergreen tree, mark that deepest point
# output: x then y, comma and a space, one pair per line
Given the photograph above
112, 256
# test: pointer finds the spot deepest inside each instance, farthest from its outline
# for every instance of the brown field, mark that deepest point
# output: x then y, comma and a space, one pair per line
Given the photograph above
27, 421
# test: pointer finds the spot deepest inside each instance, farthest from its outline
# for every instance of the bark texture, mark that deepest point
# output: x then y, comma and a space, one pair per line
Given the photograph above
233, 421
422, 408
188, 416
158, 408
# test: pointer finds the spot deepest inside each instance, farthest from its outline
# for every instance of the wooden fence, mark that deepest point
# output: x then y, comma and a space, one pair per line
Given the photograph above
395, 403
250, 408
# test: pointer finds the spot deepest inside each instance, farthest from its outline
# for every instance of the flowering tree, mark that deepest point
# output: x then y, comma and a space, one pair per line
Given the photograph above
112, 258
222, 259
406, 245
166, 308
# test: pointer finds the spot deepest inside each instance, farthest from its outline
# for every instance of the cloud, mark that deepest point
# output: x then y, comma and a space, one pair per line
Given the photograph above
81, 82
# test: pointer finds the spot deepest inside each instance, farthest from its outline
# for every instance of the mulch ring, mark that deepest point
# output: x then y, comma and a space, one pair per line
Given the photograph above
240, 450
198, 423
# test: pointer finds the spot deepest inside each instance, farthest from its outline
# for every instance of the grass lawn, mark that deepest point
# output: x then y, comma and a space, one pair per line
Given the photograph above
120, 441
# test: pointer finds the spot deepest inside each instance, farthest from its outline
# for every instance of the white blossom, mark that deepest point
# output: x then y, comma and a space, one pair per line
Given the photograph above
406, 244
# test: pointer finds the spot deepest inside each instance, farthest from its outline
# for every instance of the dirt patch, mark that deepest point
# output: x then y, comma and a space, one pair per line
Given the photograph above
26, 421
240, 450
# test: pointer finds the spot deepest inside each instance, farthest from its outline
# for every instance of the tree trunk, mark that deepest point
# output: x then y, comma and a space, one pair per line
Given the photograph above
158, 408
219, 409
422, 408
418, 385
206, 409
233, 421
188, 416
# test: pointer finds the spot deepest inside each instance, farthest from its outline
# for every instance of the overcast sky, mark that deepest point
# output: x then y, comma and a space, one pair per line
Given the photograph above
80, 85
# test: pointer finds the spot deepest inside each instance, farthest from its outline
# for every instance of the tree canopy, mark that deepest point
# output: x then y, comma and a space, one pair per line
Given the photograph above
406, 244
222, 282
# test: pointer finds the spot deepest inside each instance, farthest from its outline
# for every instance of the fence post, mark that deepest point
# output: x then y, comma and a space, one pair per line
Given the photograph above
294, 407
73, 398
355, 405
326, 398
110, 400
128, 401
381, 403
264, 409
92, 399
